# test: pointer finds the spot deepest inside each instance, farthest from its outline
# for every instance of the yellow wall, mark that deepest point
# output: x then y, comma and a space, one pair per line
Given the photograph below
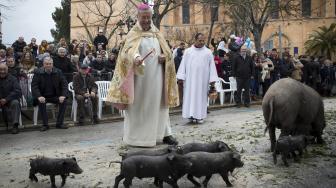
296, 31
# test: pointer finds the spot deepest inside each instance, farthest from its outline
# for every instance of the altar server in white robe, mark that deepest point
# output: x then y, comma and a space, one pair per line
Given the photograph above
196, 72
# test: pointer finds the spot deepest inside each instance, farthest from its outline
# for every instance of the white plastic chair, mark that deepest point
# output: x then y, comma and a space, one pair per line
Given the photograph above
74, 102
30, 79
103, 87
233, 88
220, 89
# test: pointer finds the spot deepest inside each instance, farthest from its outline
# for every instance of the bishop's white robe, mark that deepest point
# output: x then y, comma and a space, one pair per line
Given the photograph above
147, 119
197, 69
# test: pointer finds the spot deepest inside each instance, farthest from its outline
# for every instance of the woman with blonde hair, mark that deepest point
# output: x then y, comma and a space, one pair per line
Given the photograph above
43, 47
27, 65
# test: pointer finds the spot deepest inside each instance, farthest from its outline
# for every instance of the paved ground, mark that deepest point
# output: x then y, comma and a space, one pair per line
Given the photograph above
241, 128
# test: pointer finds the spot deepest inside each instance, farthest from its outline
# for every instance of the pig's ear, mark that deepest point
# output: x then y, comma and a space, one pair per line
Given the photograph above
220, 144
74, 158
170, 157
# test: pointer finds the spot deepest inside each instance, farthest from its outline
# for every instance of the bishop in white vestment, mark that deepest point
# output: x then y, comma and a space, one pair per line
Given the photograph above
145, 84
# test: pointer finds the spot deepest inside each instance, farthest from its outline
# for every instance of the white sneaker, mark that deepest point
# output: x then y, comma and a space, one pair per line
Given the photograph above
199, 121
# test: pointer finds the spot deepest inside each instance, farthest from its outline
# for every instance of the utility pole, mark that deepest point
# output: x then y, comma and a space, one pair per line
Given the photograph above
280, 41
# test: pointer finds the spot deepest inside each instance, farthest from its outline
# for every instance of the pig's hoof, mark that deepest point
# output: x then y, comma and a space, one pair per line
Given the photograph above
229, 185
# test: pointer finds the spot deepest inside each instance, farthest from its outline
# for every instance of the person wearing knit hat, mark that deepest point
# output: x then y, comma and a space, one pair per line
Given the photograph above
144, 84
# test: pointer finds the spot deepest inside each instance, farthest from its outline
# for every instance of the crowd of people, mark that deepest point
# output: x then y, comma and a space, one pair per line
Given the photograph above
40, 74
263, 69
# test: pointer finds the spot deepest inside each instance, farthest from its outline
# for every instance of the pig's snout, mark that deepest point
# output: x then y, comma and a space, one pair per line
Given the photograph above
78, 171
240, 163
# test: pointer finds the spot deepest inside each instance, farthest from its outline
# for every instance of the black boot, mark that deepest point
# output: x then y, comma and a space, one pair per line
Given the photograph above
44, 128
170, 140
15, 129
61, 126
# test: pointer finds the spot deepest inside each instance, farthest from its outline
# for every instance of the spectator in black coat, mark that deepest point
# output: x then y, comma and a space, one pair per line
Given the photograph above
100, 39
98, 67
243, 71
33, 47
62, 62
10, 94
50, 86
226, 67
178, 58
85, 89
111, 63
13, 69
18, 48
287, 67
274, 57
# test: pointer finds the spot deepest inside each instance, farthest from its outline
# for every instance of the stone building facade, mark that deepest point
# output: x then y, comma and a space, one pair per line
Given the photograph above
183, 22
186, 20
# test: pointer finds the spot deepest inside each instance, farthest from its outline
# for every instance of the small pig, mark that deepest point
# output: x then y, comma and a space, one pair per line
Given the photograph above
52, 167
287, 145
150, 152
164, 167
207, 164
213, 147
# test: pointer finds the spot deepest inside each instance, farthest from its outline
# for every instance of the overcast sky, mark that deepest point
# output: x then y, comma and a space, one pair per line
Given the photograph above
29, 18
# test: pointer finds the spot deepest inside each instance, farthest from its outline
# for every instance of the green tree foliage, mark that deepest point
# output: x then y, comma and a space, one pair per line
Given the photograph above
61, 16
322, 41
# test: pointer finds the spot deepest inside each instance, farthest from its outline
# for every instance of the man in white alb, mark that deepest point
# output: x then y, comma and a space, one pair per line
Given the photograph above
197, 70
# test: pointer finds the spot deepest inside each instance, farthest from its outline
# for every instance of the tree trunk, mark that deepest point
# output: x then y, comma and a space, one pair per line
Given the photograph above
210, 32
257, 39
157, 21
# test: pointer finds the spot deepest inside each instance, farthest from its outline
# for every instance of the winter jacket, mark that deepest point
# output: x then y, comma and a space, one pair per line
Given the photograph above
100, 39
39, 84
10, 88
64, 64
178, 58
242, 68
78, 82
286, 69
18, 46
110, 65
